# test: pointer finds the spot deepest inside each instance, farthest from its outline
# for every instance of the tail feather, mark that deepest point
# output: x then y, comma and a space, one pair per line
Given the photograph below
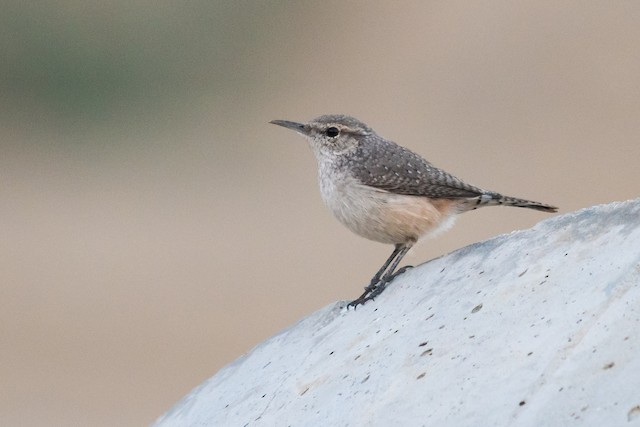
495, 199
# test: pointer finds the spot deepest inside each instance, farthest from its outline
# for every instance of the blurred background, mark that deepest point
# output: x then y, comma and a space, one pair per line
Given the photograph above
154, 226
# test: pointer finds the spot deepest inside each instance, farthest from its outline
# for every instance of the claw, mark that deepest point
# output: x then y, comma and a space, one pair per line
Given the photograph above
373, 290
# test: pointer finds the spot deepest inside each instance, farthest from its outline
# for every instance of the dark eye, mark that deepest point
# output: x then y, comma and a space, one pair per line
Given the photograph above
332, 132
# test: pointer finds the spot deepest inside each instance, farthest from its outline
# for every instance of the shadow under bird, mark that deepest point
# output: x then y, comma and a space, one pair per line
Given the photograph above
387, 193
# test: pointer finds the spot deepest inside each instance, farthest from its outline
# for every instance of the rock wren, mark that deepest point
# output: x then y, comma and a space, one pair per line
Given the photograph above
387, 193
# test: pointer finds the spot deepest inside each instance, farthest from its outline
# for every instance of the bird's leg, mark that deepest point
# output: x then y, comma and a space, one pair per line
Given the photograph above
390, 274
379, 274
381, 279
376, 278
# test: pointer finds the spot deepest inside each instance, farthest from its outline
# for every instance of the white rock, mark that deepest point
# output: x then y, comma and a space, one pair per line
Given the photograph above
536, 328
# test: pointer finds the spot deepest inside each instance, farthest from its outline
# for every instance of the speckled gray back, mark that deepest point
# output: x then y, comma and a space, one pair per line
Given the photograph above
384, 164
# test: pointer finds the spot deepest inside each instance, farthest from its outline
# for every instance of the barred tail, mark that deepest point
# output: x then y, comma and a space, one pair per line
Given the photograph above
495, 199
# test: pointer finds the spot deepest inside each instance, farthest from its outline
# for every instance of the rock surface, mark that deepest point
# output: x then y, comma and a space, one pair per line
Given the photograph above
535, 328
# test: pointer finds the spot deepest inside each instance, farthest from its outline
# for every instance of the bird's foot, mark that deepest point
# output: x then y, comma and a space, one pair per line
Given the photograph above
399, 272
375, 289
368, 290
363, 298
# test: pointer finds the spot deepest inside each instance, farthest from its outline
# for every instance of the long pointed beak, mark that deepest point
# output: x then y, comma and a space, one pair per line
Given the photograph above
298, 127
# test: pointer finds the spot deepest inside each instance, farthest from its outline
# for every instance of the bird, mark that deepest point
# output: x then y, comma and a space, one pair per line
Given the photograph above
385, 192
